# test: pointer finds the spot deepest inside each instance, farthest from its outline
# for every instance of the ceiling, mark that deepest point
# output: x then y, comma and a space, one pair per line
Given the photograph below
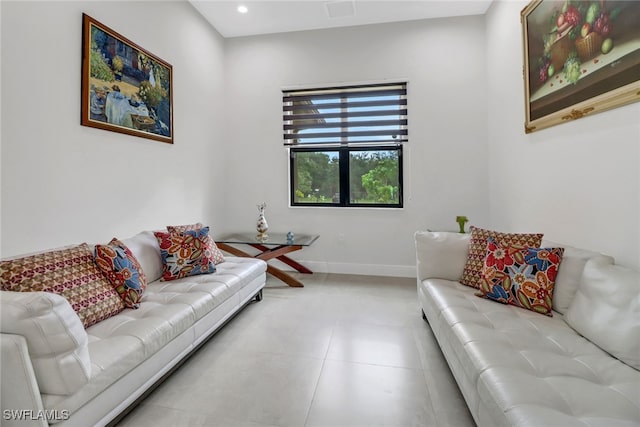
267, 16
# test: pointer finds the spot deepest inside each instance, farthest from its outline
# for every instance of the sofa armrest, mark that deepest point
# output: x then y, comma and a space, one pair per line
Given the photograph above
56, 340
441, 255
19, 394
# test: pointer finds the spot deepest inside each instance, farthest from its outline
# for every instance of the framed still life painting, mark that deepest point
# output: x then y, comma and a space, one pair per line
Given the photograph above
125, 88
581, 57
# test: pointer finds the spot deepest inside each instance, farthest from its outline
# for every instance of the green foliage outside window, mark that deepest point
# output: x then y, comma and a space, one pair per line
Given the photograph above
317, 177
381, 182
373, 177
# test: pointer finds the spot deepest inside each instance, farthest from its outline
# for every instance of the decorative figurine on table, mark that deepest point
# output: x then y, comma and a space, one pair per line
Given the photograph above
290, 237
462, 220
262, 225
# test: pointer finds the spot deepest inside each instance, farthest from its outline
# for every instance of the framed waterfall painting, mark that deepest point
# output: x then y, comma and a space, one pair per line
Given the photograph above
125, 88
581, 57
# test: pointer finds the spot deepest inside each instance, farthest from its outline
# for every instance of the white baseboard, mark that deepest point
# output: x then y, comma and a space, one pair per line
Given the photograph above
360, 269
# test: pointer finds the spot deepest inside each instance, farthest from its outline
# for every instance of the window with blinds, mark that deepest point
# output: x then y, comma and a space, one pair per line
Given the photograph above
345, 145
355, 115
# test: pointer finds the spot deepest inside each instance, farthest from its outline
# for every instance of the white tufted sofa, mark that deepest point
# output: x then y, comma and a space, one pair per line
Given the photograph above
515, 367
54, 371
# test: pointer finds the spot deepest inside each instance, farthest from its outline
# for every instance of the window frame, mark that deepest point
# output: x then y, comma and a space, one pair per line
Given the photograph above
344, 182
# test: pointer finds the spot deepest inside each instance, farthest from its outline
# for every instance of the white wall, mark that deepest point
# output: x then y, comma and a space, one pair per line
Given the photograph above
445, 159
578, 182
63, 183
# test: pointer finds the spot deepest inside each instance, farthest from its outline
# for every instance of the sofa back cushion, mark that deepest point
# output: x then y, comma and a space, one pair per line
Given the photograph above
570, 273
606, 310
441, 255
146, 250
56, 338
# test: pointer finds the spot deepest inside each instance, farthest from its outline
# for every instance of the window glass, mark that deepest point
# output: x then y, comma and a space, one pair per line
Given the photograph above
316, 178
374, 177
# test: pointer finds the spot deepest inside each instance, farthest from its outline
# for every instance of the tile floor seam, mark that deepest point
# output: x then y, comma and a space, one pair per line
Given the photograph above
183, 411
315, 388
429, 388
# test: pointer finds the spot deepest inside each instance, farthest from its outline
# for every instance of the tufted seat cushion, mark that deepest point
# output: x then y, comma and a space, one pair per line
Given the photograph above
168, 316
525, 369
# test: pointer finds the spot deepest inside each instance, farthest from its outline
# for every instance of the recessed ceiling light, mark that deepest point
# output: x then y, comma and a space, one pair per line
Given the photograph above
243, 9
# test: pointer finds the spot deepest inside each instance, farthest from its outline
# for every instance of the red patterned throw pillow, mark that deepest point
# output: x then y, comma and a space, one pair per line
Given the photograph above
185, 254
218, 257
520, 276
71, 273
472, 272
123, 270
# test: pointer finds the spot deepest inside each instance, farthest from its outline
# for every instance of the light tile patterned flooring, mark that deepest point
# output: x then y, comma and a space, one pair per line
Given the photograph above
342, 351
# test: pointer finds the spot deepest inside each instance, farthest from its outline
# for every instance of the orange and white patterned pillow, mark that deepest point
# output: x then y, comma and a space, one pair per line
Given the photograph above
472, 273
71, 273
183, 228
217, 255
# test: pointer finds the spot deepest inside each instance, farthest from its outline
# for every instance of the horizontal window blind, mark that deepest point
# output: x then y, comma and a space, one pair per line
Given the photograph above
346, 116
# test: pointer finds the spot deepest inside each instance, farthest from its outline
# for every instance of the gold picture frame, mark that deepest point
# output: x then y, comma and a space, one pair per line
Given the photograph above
580, 58
125, 88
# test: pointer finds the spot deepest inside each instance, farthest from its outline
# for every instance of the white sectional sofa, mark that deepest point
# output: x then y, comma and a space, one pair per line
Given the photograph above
54, 371
515, 367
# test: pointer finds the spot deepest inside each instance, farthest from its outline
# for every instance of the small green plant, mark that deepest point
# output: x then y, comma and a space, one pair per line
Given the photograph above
461, 220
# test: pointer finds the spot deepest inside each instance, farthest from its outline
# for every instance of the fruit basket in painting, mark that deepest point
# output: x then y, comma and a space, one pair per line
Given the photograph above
143, 122
559, 52
589, 46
